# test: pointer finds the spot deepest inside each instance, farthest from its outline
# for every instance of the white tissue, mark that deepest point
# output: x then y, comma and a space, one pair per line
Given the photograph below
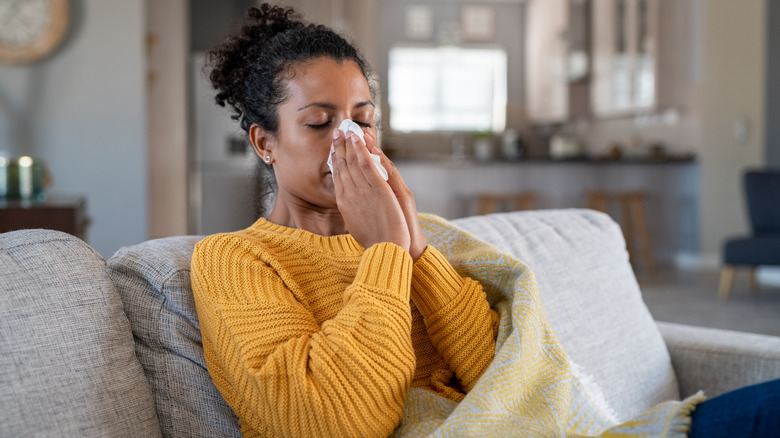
348, 125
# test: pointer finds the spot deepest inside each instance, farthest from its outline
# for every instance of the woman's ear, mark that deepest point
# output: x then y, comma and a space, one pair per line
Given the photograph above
262, 142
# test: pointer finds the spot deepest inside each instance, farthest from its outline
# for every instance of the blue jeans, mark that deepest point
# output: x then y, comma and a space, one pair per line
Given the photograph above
752, 411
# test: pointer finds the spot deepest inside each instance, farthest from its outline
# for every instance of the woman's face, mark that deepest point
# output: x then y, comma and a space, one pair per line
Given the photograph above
321, 94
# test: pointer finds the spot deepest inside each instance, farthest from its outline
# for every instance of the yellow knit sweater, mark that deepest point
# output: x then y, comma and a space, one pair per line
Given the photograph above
306, 335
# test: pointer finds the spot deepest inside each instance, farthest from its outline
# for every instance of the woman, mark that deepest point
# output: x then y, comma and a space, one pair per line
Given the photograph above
333, 316
319, 318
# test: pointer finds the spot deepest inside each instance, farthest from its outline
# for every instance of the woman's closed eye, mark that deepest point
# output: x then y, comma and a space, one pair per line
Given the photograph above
329, 123
320, 126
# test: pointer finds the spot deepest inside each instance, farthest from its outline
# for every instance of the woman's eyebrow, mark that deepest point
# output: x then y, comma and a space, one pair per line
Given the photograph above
325, 105
364, 103
331, 106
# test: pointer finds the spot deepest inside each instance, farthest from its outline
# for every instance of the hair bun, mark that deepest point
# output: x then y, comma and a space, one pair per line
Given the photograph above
273, 19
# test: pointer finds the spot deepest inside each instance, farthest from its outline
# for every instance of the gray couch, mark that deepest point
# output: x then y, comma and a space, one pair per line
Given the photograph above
112, 348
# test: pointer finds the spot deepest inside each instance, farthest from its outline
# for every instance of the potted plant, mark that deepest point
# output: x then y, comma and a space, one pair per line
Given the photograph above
483, 145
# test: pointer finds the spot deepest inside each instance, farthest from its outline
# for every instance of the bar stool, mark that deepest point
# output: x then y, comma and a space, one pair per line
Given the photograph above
632, 221
494, 202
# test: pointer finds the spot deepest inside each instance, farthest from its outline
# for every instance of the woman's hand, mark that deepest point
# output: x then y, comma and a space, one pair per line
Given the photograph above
371, 211
403, 194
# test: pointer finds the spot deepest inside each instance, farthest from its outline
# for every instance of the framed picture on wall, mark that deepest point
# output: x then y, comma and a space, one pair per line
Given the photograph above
477, 23
419, 22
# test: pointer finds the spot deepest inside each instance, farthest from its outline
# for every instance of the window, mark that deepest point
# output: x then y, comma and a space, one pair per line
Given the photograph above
447, 89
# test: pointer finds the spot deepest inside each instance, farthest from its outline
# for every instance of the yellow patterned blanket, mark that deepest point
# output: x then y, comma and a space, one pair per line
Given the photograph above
529, 389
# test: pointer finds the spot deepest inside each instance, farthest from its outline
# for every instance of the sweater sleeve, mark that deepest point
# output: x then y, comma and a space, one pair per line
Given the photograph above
459, 320
285, 375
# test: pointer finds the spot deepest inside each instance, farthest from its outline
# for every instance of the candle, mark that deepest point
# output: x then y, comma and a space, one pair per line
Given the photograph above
3, 177
25, 177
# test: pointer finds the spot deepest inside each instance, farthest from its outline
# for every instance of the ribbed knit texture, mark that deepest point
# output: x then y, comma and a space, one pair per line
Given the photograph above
306, 335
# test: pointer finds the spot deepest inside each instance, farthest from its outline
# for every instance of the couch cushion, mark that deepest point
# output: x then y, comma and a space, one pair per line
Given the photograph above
592, 300
153, 279
67, 360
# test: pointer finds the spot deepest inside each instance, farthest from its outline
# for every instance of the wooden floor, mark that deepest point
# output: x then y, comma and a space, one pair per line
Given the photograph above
692, 298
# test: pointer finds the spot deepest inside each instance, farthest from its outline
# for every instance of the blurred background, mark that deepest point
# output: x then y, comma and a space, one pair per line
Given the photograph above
651, 110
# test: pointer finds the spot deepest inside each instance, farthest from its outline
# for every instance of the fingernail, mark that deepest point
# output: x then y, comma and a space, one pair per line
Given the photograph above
336, 134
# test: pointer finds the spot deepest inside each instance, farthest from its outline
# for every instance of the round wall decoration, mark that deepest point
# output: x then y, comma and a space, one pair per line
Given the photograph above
31, 29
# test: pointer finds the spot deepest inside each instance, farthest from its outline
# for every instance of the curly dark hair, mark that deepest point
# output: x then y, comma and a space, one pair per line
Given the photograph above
250, 70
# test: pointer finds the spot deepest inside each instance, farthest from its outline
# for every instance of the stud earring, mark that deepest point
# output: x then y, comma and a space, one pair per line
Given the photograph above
268, 159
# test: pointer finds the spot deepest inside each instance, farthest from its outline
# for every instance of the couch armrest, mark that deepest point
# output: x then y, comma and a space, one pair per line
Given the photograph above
718, 361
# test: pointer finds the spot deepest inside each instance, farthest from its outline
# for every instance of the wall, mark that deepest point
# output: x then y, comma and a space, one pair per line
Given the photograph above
766, 274
773, 85
732, 89
83, 112
210, 21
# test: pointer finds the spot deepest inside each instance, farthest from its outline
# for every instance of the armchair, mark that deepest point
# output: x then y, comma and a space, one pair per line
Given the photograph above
762, 247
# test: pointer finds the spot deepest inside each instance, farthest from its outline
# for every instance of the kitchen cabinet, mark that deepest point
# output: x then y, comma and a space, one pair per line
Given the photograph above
546, 48
624, 79
586, 57
557, 59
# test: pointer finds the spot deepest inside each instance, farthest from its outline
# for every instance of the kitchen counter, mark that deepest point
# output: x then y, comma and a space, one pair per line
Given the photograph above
449, 189
447, 160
